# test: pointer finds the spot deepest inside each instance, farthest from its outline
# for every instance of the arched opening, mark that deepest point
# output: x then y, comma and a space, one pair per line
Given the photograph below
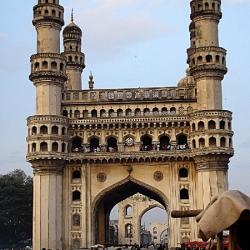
164, 111
222, 125
201, 126
85, 114
76, 195
128, 112
211, 124
54, 130
102, 113
212, 142
93, 113
137, 112
193, 143
120, 112
34, 130
182, 143
193, 127
65, 113
201, 142
54, 147
165, 143
146, 111
33, 147
45, 65
146, 143
63, 147
43, 130
155, 111
94, 144
43, 147
223, 142
54, 65
184, 195
111, 113
183, 173
128, 230
206, 6
173, 111
77, 114
76, 174
112, 144
76, 144
63, 131
108, 198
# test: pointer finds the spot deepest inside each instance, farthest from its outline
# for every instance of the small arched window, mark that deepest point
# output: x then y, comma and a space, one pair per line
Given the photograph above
76, 174
54, 130
164, 111
182, 141
128, 211
76, 144
211, 125
146, 143
128, 112
94, 144
193, 143
54, 65
222, 125
164, 143
184, 195
193, 127
155, 111
112, 144
65, 113
76, 196
44, 147
206, 6
137, 112
54, 147
63, 147
201, 142
85, 113
34, 131
173, 111
209, 58
212, 142
223, 142
119, 112
111, 113
76, 220
33, 147
63, 130
77, 114
201, 126
183, 173
37, 66
146, 111
44, 65
43, 130
94, 113
61, 66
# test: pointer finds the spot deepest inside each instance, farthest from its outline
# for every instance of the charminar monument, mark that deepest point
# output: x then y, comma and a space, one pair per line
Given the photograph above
92, 148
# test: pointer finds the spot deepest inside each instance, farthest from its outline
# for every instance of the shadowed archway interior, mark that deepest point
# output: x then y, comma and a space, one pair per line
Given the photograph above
109, 198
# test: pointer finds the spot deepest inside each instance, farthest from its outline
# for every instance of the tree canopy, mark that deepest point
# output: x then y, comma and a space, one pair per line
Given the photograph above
15, 209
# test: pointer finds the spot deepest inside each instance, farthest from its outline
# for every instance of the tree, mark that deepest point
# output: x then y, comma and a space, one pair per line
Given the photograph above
15, 209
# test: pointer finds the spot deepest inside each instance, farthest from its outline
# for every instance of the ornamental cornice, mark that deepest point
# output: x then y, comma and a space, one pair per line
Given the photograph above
47, 119
192, 51
212, 151
54, 77
210, 114
58, 6
47, 166
206, 14
155, 119
48, 55
44, 156
214, 132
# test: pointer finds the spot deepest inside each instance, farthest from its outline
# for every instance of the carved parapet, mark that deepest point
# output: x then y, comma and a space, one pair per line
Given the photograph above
75, 59
35, 156
48, 119
211, 114
212, 162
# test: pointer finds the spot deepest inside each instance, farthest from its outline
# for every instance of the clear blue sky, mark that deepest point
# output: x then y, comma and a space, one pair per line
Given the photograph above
128, 43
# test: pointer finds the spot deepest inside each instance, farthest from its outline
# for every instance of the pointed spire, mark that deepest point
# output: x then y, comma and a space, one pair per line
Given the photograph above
72, 15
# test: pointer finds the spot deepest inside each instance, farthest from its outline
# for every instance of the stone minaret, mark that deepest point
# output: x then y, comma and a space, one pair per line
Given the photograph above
72, 35
211, 126
47, 141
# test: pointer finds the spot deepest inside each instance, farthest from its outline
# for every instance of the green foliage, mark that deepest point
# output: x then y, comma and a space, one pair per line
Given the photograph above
15, 209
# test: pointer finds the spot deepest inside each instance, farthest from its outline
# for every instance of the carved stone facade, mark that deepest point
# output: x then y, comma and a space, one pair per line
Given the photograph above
91, 149
130, 212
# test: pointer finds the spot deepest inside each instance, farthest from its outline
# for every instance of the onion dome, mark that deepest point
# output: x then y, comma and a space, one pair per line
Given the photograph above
72, 31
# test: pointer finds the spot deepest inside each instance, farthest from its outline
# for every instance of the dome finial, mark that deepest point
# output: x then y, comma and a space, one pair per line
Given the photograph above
72, 15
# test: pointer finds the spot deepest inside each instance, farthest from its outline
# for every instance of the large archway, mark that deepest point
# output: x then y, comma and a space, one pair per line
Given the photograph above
109, 197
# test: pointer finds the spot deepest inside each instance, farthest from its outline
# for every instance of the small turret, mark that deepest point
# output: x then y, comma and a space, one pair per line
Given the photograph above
91, 81
72, 36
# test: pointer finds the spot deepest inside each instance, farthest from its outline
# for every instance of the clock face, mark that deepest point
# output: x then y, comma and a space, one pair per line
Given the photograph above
129, 141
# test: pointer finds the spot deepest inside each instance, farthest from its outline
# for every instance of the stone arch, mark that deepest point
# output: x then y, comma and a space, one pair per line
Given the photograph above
114, 194
128, 211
